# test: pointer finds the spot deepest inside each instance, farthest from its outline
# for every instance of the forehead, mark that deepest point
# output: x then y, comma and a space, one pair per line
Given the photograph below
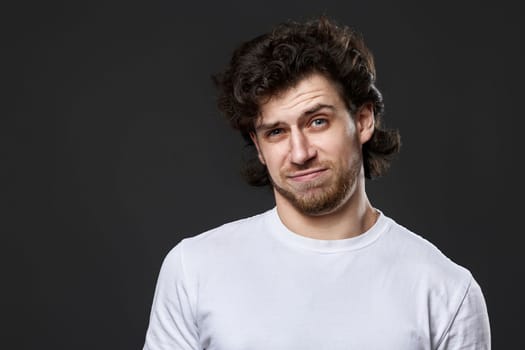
313, 90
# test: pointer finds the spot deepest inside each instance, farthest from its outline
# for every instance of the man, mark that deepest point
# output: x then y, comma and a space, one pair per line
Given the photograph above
323, 269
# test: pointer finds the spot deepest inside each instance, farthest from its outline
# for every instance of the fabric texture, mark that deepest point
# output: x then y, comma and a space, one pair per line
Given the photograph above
253, 284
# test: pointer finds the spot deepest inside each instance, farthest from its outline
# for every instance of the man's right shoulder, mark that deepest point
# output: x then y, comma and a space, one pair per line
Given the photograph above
224, 239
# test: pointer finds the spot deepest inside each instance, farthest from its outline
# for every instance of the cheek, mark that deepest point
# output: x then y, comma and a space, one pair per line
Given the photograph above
345, 152
266, 152
271, 157
340, 144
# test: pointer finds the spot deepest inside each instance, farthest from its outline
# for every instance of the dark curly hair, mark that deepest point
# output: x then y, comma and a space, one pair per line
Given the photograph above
277, 61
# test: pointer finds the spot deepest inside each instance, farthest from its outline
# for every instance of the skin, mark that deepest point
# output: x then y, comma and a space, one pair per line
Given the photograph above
312, 148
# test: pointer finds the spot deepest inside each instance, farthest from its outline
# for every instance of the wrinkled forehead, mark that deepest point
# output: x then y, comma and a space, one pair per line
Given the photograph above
305, 96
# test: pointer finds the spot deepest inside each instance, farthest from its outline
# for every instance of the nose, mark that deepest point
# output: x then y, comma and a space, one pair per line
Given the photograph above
301, 151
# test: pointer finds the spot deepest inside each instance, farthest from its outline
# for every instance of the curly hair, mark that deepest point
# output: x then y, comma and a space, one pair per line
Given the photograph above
276, 61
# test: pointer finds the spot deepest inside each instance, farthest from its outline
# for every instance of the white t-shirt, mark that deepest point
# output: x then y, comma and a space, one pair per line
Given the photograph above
254, 285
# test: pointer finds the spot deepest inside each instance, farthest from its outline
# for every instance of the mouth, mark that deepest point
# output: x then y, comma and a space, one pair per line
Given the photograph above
307, 175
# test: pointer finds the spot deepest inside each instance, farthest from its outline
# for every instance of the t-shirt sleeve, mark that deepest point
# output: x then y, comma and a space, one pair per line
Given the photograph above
172, 323
469, 330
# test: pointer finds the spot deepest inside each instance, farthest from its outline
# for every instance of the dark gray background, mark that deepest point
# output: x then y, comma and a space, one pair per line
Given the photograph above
113, 150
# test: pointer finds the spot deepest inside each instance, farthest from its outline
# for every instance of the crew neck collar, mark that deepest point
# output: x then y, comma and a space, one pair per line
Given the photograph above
282, 233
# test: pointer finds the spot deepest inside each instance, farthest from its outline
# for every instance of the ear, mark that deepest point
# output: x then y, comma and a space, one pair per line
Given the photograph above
365, 122
253, 136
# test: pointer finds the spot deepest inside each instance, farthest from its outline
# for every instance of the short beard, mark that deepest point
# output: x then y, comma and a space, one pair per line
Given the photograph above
327, 200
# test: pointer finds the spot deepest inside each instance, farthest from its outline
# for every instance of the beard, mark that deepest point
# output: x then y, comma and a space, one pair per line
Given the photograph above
315, 198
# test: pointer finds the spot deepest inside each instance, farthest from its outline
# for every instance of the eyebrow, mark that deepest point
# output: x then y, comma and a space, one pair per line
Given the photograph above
316, 108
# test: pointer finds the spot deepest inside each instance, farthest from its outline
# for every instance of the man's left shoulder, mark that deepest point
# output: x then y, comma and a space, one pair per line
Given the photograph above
420, 257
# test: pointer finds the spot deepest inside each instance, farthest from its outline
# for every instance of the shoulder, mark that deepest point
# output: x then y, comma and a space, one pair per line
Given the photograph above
422, 260
228, 233
220, 242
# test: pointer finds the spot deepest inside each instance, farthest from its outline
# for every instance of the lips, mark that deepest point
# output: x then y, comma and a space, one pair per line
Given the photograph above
306, 175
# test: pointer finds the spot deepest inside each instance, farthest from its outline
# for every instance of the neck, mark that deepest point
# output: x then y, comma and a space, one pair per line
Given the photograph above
354, 217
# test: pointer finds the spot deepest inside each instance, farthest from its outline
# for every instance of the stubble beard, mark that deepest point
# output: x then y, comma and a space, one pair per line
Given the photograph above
314, 199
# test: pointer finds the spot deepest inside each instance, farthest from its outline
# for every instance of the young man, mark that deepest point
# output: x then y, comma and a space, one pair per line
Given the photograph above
324, 269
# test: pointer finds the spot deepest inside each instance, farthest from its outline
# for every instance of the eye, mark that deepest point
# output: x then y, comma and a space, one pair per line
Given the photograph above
274, 132
318, 122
